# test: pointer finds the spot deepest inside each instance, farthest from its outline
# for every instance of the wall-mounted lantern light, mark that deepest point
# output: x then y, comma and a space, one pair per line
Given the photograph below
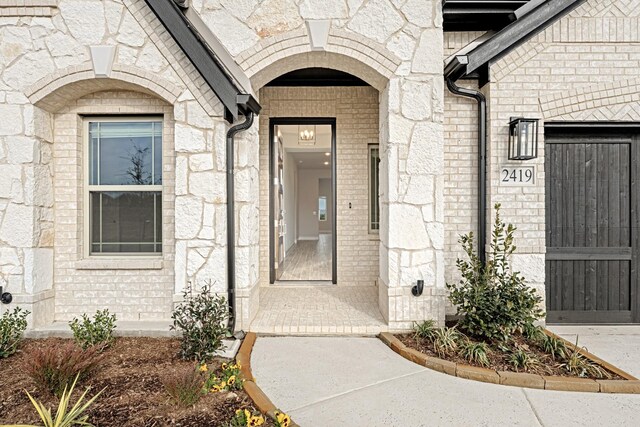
523, 138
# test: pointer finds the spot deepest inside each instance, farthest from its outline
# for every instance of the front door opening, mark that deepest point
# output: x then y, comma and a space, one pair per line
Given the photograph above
302, 210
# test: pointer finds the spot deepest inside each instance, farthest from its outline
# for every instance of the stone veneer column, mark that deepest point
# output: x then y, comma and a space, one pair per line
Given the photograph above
200, 215
26, 209
412, 186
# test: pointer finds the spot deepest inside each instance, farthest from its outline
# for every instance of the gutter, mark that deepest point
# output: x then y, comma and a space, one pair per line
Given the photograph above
453, 71
231, 222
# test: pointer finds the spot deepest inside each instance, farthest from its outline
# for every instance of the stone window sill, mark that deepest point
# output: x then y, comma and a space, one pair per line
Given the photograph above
120, 264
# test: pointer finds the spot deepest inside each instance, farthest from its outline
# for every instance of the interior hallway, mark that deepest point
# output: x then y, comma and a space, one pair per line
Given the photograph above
309, 260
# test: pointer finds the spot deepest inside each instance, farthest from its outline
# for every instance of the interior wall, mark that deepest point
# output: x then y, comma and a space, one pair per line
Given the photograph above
324, 189
308, 193
290, 201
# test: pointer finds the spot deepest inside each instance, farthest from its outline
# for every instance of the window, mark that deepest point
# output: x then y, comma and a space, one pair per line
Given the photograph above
322, 208
124, 188
374, 184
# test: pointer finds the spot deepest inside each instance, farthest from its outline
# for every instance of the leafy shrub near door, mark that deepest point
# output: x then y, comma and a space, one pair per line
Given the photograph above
12, 327
97, 332
201, 317
494, 301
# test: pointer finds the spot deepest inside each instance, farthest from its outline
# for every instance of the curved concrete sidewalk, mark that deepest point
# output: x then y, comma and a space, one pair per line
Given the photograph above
340, 381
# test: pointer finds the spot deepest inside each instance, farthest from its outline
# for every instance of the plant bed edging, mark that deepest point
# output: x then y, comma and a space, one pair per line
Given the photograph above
629, 385
262, 401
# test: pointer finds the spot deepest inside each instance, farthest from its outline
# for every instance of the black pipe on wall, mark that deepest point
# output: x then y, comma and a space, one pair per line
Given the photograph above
482, 161
231, 220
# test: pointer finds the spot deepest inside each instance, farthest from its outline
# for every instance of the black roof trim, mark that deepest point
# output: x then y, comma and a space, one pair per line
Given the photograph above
235, 100
479, 15
527, 25
317, 76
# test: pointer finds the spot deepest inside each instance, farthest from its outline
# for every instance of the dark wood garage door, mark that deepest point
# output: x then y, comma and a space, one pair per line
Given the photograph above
592, 226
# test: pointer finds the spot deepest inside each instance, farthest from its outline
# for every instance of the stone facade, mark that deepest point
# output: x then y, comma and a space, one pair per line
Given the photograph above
583, 67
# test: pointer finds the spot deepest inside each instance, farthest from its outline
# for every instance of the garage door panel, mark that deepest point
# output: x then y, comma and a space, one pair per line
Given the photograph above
591, 261
589, 285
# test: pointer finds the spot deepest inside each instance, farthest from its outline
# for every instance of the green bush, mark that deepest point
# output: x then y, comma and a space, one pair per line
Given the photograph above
494, 301
201, 317
97, 332
522, 359
12, 327
475, 352
554, 347
53, 367
424, 330
445, 341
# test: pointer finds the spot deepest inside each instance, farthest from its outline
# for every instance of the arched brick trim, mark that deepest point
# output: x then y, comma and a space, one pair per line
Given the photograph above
319, 59
55, 91
608, 101
345, 51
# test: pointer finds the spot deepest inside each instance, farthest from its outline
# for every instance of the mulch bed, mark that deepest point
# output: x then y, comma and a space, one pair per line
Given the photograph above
498, 359
131, 372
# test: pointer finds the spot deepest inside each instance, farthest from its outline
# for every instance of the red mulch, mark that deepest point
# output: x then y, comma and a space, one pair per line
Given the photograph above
499, 360
131, 373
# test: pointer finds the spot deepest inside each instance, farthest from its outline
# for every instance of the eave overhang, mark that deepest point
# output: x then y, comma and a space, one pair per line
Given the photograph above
531, 19
208, 56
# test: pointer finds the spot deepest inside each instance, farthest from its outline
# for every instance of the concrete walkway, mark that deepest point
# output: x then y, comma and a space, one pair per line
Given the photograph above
340, 381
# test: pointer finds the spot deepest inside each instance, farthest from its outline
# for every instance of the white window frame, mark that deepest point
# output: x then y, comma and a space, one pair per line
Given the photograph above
370, 148
87, 188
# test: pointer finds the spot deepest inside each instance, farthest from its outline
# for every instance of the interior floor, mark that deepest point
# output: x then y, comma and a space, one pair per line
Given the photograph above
308, 260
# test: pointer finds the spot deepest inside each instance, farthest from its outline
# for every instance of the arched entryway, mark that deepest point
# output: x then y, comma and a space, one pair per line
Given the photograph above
311, 89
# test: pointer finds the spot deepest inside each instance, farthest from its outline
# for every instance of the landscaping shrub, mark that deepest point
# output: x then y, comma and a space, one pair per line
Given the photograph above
12, 327
54, 367
475, 352
97, 332
424, 330
494, 301
522, 359
184, 385
575, 363
445, 341
65, 416
554, 347
201, 318
534, 333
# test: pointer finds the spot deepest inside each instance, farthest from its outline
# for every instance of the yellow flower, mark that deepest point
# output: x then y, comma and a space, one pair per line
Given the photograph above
223, 385
238, 411
204, 368
238, 366
224, 366
231, 380
283, 419
256, 421
247, 415
216, 388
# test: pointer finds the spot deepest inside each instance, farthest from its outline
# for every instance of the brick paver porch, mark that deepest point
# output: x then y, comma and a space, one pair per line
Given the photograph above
318, 310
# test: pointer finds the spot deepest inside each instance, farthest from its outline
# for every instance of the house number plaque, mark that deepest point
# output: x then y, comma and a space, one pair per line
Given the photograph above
518, 175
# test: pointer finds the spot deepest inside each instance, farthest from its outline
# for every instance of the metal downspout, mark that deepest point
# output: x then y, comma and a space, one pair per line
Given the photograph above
482, 161
231, 221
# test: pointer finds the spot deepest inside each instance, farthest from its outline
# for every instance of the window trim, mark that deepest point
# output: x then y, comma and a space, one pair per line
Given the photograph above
87, 188
370, 148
